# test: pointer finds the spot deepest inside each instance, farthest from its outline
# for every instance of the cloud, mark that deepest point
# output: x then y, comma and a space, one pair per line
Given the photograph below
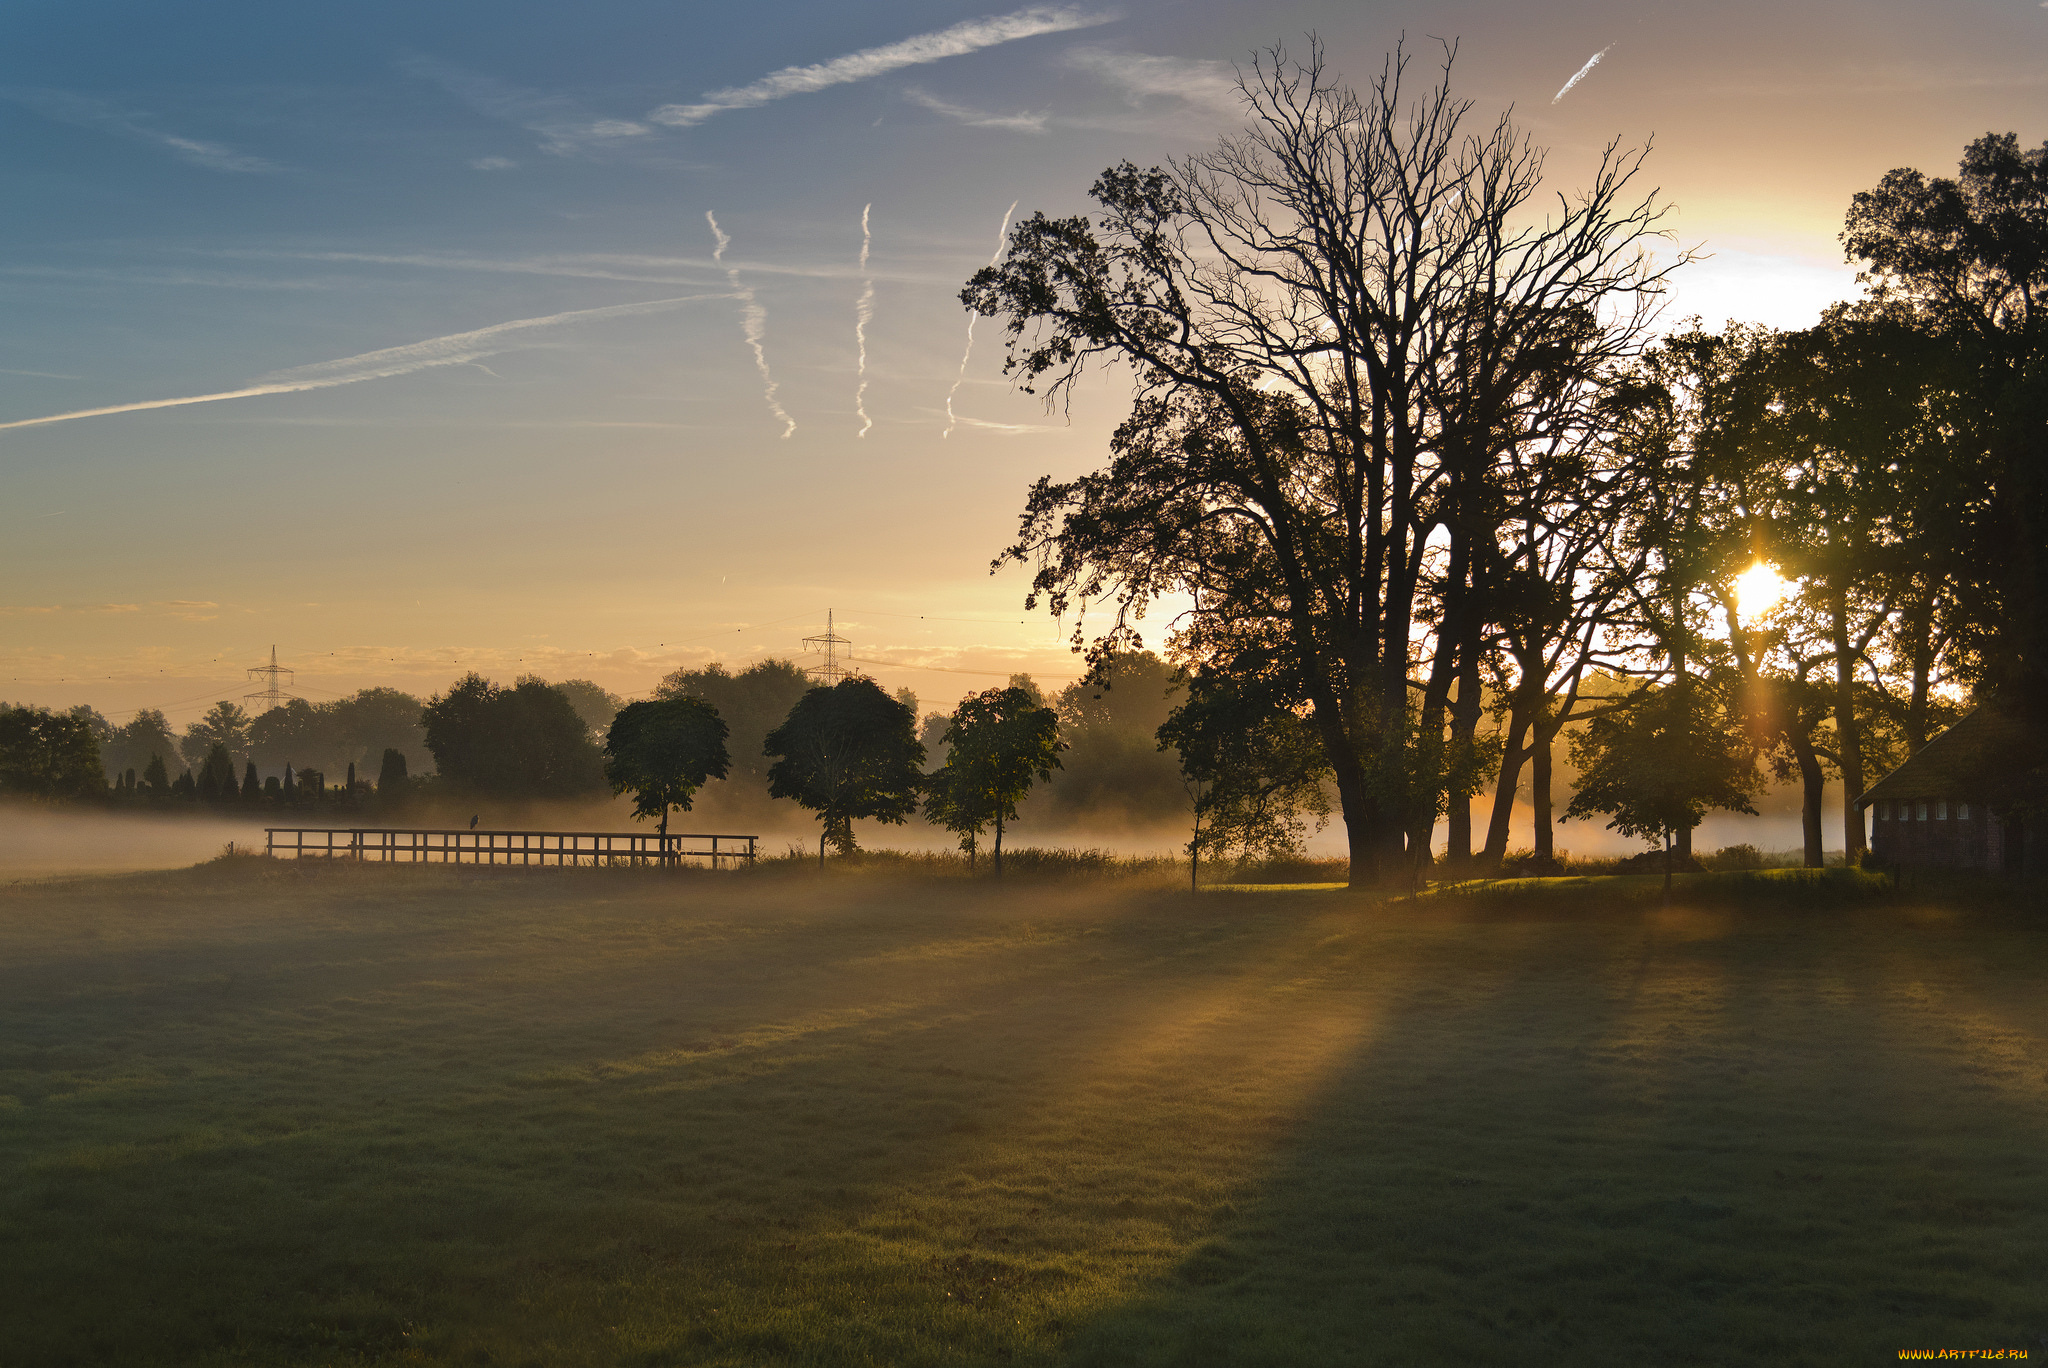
975, 118
454, 349
494, 164
971, 35
1580, 74
863, 314
565, 128
83, 112
1141, 76
597, 266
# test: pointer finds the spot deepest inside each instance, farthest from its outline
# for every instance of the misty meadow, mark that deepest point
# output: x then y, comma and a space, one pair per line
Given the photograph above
1509, 826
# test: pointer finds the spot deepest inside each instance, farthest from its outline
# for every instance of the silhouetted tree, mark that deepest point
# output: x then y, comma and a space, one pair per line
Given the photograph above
752, 703
49, 755
225, 724
1659, 764
847, 752
1256, 768
392, 779
147, 733
156, 778
594, 703
525, 741
999, 741
216, 781
663, 751
1315, 352
252, 787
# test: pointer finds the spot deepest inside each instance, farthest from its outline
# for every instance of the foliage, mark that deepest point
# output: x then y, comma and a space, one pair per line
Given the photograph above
352, 730
1327, 383
225, 725
752, 703
594, 703
392, 779
1114, 770
48, 755
522, 742
998, 742
847, 752
1659, 763
1258, 769
663, 751
216, 779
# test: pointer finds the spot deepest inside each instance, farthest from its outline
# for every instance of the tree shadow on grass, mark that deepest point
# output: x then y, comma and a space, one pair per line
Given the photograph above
1705, 1138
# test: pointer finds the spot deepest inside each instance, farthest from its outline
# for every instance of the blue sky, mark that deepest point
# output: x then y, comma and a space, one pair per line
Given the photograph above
343, 208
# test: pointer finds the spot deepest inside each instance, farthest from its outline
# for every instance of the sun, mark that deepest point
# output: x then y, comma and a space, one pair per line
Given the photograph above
1759, 589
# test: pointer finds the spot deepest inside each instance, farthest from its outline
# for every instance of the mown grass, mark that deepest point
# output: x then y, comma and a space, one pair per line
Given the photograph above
259, 1113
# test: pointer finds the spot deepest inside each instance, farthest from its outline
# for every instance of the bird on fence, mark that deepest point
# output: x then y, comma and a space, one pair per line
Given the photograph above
472, 824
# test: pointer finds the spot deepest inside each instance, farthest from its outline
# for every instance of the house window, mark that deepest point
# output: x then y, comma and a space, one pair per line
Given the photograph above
1941, 810
1922, 814
1962, 812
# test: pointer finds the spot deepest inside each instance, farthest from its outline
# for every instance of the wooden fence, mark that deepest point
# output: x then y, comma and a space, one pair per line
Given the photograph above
458, 846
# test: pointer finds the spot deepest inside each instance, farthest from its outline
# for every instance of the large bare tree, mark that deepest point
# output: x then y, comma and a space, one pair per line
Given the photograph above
1339, 321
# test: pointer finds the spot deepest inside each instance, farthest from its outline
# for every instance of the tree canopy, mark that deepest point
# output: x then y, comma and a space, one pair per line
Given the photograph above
523, 742
847, 752
44, 754
998, 742
1351, 339
662, 752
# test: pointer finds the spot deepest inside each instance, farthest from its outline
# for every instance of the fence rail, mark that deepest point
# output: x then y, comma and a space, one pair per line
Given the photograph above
386, 845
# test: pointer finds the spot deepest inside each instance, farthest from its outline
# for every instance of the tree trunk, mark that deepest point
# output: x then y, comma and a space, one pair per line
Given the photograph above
821, 851
1539, 788
999, 845
1464, 731
1812, 784
1504, 790
1848, 731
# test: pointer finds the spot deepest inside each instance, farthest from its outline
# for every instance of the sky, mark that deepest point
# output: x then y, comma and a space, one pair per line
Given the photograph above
597, 341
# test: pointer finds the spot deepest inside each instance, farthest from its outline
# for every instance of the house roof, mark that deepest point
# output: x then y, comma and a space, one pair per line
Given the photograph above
1988, 748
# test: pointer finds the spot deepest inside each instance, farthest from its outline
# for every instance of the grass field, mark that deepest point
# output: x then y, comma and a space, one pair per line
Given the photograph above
259, 1113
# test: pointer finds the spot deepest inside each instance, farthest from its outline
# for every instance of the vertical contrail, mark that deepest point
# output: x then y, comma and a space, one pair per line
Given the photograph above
862, 313
1001, 233
753, 324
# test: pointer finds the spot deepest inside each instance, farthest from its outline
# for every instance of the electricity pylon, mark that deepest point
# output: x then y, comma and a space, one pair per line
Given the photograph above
271, 695
829, 646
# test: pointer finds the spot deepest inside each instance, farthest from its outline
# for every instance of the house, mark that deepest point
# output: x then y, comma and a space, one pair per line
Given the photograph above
1954, 803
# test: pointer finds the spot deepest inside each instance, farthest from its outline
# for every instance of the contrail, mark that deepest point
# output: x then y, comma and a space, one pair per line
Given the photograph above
970, 35
1001, 233
753, 323
1580, 74
862, 313
453, 350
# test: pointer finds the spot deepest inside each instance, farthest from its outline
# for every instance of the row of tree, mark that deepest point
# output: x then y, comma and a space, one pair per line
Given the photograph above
1438, 491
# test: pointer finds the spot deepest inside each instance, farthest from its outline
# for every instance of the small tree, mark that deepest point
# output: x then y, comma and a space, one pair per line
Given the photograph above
664, 751
217, 775
252, 787
392, 779
1659, 763
846, 752
999, 742
156, 778
1253, 768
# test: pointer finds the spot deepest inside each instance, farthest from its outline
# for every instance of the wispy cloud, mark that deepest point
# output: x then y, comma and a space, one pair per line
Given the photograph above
863, 313
971, 35
40, 375
84, 112
452, 350
1580, 74
493, 164
1002, 234
976, 118
565, 128
1141, 76
753, 324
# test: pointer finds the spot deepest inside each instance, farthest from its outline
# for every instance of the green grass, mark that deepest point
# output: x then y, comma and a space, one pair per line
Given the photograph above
259, 1113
